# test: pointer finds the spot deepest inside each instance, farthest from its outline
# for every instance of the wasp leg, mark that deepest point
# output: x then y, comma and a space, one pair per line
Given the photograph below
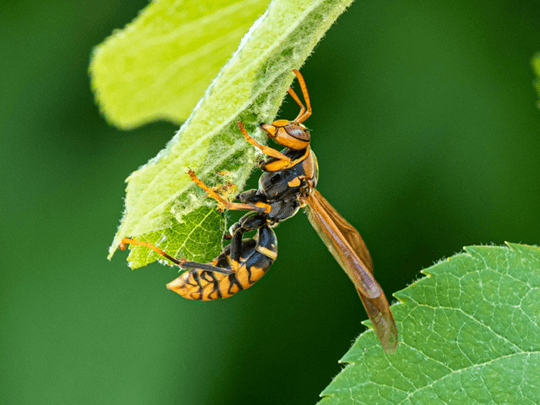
275, 165
251, 196
185, 264
279, 161
259, 207
247, 223
268, 151
126, 241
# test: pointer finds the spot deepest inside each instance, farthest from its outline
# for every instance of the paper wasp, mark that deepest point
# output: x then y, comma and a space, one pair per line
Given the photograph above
286, 185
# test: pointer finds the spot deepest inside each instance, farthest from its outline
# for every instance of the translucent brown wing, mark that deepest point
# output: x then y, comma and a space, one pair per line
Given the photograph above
350, 251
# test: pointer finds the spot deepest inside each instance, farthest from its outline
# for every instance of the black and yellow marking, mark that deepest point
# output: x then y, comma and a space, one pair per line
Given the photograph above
204, 285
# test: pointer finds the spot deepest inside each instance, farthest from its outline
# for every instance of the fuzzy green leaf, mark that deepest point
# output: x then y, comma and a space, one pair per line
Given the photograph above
250, 88
159, 65
469, 334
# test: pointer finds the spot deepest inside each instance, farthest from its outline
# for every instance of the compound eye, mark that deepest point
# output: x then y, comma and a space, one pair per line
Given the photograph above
298, 132
275, 178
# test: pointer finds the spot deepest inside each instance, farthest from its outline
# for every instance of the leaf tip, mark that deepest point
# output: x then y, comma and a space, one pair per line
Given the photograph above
112, 251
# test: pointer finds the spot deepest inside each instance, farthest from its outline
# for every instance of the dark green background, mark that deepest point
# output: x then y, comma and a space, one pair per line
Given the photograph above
427, 132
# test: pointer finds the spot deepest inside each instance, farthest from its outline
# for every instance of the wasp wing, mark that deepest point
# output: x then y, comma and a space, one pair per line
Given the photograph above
350, 251
344, 242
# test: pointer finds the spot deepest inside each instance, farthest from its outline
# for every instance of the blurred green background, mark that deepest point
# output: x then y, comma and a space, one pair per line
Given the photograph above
427, 132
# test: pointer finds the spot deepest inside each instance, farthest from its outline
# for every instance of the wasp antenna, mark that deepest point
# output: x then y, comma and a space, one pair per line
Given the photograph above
303, 115
297, 99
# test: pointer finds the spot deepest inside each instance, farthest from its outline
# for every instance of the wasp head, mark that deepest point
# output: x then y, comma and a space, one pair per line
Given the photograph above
290, 134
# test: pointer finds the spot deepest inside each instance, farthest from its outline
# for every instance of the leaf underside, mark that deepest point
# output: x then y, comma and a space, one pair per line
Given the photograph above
250, 88
469, 333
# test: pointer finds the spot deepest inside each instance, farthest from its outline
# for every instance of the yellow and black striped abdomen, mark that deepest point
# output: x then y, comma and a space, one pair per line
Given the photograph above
205, 285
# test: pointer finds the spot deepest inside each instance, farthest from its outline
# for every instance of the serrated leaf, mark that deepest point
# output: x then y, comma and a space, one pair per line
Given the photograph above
159, 65
250, 88
469, 334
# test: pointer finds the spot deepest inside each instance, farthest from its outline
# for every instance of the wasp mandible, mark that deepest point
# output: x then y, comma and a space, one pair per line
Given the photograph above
287, 184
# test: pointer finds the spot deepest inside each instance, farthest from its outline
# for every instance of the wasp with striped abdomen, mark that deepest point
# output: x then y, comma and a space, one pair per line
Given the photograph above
286, 185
